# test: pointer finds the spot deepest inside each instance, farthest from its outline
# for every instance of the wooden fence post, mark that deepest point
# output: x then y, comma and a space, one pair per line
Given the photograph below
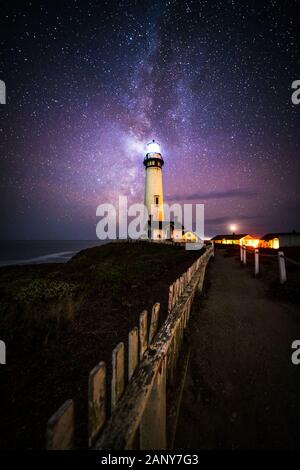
154, 321
176, 290
201, 278
153, 424
96, 398
282, 268
133, 351
170, 302
117, 381
60, 428
241, 253
143, 332
244, 254
181, 286
256, 262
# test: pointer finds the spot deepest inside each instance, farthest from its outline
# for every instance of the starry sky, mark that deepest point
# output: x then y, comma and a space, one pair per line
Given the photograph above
89, 83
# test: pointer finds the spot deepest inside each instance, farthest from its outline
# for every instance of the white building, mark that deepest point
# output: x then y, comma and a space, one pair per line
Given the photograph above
280, 240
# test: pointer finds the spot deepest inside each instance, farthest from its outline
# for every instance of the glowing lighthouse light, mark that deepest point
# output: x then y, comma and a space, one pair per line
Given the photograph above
153, 147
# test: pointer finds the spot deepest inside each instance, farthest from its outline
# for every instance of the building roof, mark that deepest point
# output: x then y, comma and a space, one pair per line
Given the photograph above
232, 236
270, 236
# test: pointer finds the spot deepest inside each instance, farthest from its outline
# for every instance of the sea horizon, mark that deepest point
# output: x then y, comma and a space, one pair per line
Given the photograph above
22, 252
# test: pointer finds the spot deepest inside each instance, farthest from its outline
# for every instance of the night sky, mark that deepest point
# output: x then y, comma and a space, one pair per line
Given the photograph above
90, 83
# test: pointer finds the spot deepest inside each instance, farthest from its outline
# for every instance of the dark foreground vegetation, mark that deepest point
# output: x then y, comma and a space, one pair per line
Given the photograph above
59, 320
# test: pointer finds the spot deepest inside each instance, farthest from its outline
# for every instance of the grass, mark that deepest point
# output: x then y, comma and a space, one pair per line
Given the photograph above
37, 293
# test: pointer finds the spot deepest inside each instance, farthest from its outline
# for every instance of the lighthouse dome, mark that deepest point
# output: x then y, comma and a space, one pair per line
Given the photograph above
153, 147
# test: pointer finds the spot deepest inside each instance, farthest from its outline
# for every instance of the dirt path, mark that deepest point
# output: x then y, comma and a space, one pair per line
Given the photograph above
242, 390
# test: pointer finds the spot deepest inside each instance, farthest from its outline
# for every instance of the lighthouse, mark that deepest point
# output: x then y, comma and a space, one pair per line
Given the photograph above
154, 198
159, 225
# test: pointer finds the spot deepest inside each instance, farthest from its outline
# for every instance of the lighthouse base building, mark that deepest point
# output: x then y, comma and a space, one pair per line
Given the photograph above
165, 230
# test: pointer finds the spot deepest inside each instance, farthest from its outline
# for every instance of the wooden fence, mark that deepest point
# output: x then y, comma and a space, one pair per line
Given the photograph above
138, 417
281, 259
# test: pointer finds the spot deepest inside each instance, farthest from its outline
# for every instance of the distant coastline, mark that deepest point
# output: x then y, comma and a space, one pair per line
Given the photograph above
22, 252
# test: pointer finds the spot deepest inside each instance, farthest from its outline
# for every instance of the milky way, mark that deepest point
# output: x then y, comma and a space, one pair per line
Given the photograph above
90, 83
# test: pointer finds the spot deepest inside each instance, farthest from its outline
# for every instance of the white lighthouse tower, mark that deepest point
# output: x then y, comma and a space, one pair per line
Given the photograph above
154, 198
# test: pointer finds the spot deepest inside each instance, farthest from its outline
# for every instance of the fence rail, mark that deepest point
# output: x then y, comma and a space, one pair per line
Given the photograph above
139, 408
281, 259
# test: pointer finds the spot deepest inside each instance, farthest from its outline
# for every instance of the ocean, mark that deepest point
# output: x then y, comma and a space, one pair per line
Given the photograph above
13, 252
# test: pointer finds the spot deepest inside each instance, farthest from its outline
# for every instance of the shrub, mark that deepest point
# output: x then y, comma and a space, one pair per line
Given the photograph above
40, 291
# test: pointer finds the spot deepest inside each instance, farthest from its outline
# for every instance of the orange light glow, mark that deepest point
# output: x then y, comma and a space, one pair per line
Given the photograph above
254, 242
